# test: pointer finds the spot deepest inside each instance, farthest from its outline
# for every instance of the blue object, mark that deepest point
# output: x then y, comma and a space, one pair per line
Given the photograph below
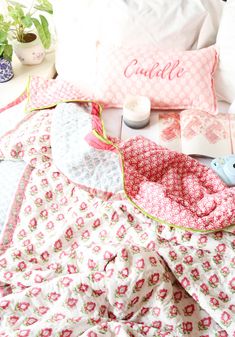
6, 71
225, 168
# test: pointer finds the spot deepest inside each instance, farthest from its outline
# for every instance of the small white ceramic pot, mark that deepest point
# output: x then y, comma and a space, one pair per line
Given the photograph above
29, 53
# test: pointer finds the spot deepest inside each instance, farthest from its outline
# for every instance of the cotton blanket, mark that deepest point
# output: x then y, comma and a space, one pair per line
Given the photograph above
79, 262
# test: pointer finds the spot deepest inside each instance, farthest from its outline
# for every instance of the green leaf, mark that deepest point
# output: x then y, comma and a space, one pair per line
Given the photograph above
7, 53
43, 31
44, 6
27, 21
3, 36
1, 50
16, 12
14, 3
19, 10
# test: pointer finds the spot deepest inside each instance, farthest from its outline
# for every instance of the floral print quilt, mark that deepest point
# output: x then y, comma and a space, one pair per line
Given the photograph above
74, 263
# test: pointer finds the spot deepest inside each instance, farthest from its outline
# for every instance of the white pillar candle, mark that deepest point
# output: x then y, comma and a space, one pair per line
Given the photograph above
136, 111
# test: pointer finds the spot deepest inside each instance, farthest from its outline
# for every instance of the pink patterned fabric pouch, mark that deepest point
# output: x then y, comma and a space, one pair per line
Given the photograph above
173, 188
171, 79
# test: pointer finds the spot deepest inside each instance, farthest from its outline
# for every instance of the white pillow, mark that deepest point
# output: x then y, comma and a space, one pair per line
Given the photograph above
167, 24
209, 29
225, 76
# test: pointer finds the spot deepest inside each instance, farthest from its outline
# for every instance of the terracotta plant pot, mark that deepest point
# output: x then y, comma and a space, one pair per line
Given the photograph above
31, 51
6, 71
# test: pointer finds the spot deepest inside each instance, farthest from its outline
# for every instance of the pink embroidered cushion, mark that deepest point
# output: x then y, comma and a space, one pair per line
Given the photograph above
171, 79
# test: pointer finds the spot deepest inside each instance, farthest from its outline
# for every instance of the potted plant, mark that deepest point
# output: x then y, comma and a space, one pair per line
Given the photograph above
31, 34
6, 72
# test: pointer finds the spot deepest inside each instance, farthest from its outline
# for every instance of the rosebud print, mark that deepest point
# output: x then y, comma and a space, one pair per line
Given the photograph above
66, 281
214, 303
55, 175
226, 318
66, 333
72, 269
45, 256
46, 332
44, 214
38, 202
121, 290
214, 281
139, 284
173, 255
34, 291
188, 259
3, 263
162, 293
178, 296
121, 232
232, 285
58, 245
195, 274
83, 206
133, 301
204, 288
30, 320
22, 306
89, 306
189, 310
173, 311
82, 288
4, 304
8, 275
140, 264
187, 327
96, 223
115, 217
53, 296
92, 334
42, 310
124, 254
13, 319
179, 269
21, 266
204, 323
23, 333
33, 224
153, 279
124, 273
153, 260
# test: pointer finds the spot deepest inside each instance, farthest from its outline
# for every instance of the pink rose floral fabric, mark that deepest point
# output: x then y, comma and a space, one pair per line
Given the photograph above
73, 264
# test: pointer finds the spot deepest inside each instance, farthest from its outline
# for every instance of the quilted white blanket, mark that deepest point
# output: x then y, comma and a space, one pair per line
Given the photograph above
75, 264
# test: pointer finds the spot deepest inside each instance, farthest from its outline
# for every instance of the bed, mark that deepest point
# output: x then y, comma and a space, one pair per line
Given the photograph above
78, 256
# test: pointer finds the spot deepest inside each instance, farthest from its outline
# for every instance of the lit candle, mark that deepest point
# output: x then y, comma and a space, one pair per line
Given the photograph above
136, 111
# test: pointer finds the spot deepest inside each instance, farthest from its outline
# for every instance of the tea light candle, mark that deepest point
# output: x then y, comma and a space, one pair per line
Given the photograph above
136, 111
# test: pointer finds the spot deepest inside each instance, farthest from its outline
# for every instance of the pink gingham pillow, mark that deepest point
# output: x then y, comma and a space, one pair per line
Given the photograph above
171, 79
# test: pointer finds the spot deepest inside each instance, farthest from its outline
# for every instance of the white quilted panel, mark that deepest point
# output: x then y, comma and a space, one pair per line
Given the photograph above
10, 173
75, 157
